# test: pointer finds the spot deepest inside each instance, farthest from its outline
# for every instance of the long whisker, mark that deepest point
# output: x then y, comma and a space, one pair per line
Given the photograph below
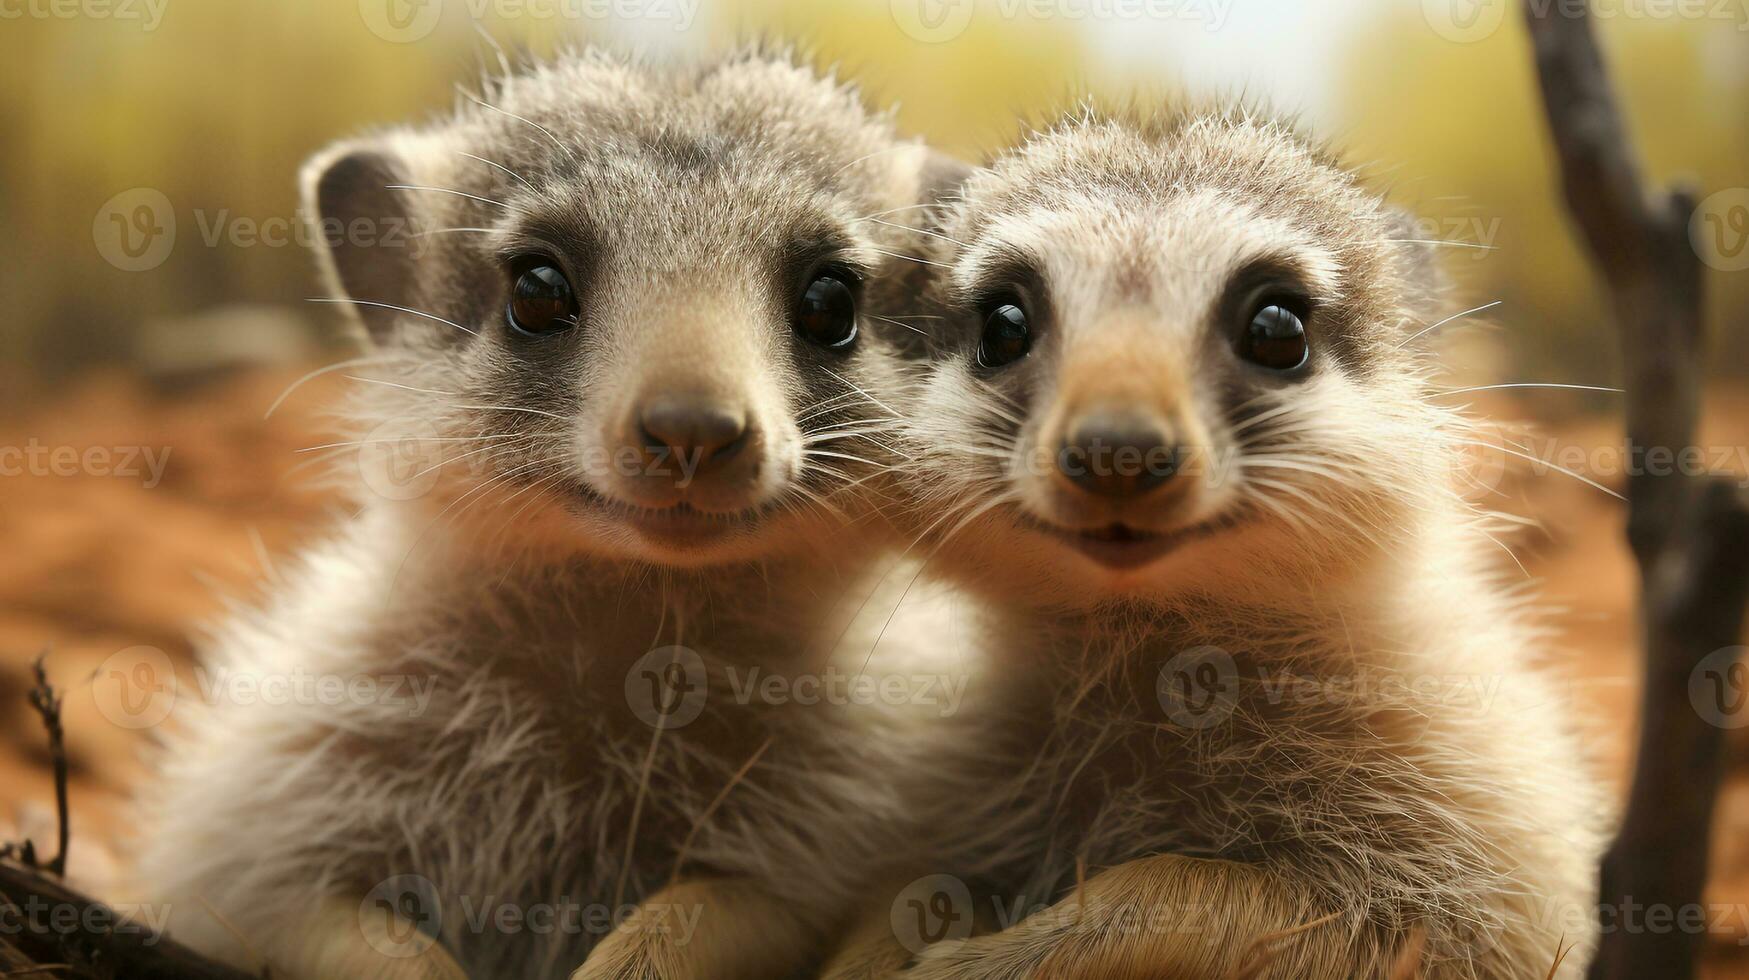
903, 326
448, 190
499, 167
1543, 462
446, 231
856, 388
402, 309
920, 231
295, 385
396, 384
1461, 391
1454, 316
522, 119
911, 258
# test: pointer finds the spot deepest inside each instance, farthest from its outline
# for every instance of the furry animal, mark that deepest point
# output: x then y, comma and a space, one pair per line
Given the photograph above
630, 314
1255, 702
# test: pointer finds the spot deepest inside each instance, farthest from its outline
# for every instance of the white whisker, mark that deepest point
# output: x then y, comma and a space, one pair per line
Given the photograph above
402, 309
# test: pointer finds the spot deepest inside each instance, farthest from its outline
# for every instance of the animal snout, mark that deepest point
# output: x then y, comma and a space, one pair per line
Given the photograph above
691, 426
1118, 454
696, 436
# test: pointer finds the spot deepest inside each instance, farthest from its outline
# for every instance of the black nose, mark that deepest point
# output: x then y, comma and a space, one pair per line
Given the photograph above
1118, 455
693, 427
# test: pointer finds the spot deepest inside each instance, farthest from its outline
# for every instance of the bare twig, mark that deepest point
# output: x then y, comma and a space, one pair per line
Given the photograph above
1689, 533
52, 930
48, 707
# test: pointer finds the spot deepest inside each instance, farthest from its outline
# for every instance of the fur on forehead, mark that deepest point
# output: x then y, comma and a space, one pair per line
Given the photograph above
754, 114
1284, 192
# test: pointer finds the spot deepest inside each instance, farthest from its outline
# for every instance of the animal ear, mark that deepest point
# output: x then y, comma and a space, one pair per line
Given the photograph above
363, 230
1418, 261
943, 176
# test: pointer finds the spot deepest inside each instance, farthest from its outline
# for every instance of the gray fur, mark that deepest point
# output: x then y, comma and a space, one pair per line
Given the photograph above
675, 195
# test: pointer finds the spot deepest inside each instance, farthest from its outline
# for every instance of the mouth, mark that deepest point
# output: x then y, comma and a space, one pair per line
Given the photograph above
679, 526
1124, 547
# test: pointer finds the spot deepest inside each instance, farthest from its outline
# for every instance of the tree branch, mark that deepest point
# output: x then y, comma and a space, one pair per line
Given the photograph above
1689, 533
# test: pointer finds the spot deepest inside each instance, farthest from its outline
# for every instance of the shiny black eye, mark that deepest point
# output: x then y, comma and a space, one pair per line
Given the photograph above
541, 300
1006, 338
826, 312
1276, 339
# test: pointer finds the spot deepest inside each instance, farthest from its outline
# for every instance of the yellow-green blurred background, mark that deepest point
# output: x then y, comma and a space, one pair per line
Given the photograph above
148, 150
214, 103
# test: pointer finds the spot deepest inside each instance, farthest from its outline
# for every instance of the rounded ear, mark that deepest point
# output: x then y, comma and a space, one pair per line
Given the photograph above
363, 228
943, 176
1426, 281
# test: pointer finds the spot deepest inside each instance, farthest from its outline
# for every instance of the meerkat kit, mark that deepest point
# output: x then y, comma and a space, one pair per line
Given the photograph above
706, 351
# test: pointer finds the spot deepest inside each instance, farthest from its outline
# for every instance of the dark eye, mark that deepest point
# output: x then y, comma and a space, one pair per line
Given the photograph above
826, 312
1276, 339
541, 300
1006, 338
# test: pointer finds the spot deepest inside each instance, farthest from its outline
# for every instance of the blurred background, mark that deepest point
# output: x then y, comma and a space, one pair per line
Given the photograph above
154, 273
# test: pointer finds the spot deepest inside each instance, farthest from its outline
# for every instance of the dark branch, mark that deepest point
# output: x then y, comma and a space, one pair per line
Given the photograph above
1689, 533
50, 925
48, 707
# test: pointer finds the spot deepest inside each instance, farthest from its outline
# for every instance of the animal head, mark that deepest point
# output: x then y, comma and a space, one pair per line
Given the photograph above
633, 308
1172, 360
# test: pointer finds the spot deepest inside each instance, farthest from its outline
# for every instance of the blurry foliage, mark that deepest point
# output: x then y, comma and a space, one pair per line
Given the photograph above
220, 103
1456, 133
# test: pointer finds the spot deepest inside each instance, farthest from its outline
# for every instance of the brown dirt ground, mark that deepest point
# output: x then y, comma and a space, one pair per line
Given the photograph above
92, 565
